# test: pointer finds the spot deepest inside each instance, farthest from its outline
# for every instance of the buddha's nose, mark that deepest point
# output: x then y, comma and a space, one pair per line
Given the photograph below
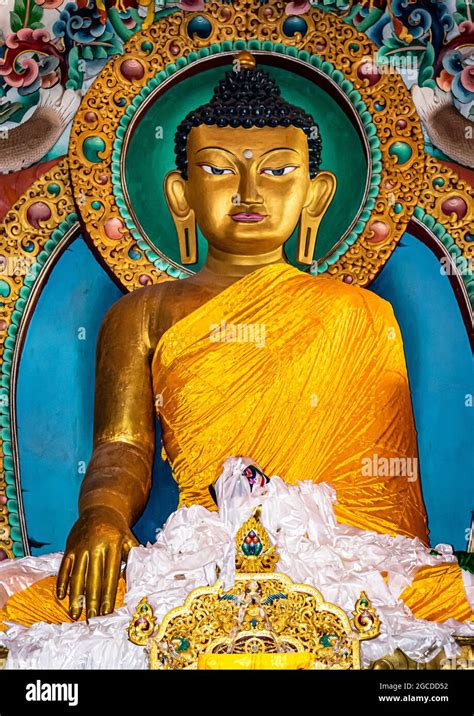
248, 189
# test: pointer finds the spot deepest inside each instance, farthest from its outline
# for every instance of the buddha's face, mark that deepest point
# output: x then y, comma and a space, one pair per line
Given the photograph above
247, 187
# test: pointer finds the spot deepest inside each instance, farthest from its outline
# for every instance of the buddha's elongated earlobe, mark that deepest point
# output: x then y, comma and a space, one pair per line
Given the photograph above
307, 235
322, 191
183, 216
187, 237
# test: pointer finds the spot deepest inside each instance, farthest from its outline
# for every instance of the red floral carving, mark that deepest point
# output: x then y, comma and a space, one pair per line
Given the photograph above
22, 71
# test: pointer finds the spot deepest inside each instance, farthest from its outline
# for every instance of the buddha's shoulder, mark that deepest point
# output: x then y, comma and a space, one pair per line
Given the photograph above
134, 311
145, 299
148, 307
349, 297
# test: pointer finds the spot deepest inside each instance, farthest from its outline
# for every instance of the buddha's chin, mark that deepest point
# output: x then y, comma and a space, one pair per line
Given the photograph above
250, 238
248, 245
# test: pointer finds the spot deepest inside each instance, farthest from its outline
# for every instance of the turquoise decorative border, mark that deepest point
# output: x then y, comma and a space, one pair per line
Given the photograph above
449, 243
29, 281
229, 46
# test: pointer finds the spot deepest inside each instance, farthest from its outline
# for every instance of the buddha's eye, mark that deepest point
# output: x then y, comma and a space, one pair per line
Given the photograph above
279, 172
215, 170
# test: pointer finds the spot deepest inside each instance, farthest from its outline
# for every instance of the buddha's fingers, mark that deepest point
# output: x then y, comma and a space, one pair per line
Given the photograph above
113, 559
95, 574
77, 585
64, 574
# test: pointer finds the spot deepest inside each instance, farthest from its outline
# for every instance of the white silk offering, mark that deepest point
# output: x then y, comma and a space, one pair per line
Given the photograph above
195, 545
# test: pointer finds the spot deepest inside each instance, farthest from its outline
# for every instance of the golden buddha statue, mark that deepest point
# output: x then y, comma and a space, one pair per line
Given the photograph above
322, 391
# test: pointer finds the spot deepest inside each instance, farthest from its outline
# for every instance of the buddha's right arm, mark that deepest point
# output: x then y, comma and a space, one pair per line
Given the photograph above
119, 472
118, 479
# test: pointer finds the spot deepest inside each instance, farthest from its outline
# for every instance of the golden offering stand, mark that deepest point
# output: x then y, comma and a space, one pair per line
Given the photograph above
265, 620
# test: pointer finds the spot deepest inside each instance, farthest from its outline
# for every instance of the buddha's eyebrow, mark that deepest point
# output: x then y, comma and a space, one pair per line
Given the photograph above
276, 149
220, 148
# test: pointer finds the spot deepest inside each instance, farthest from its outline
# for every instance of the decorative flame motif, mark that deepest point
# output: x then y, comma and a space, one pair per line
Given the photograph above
365, 621
254, 553
143, 623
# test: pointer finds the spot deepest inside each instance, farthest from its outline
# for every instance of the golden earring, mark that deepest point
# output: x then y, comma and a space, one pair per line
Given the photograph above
307, 235
187, 238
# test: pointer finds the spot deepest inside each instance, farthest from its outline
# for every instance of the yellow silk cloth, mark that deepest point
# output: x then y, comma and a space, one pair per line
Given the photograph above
307, 376
39, 603
247, 662
321, 395
437, 593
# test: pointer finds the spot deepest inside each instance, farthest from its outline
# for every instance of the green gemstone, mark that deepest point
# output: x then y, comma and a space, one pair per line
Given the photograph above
397, 208
91, 147
54, 188
402, 151
325, 640
134, 254
438, 181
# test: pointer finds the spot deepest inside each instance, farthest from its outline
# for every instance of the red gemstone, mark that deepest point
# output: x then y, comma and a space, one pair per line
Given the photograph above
454, 205
132, 69
368, 71
39, 211
380, 230
142, 622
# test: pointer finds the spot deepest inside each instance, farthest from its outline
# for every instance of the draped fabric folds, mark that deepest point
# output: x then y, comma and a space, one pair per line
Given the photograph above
308, 376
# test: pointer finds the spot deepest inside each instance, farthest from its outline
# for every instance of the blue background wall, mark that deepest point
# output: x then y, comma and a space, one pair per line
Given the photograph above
56, 384
440, 370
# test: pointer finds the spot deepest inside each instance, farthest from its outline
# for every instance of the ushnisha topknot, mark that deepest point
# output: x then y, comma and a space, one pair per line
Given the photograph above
248, 97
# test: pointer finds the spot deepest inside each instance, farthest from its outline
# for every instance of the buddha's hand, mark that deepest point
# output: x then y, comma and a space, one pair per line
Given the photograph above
97, 543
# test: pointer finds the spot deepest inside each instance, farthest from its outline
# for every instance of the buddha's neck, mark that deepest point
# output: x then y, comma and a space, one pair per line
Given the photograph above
226, 268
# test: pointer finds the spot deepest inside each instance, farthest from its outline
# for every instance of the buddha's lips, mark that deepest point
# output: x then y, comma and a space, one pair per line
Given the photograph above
247, 217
